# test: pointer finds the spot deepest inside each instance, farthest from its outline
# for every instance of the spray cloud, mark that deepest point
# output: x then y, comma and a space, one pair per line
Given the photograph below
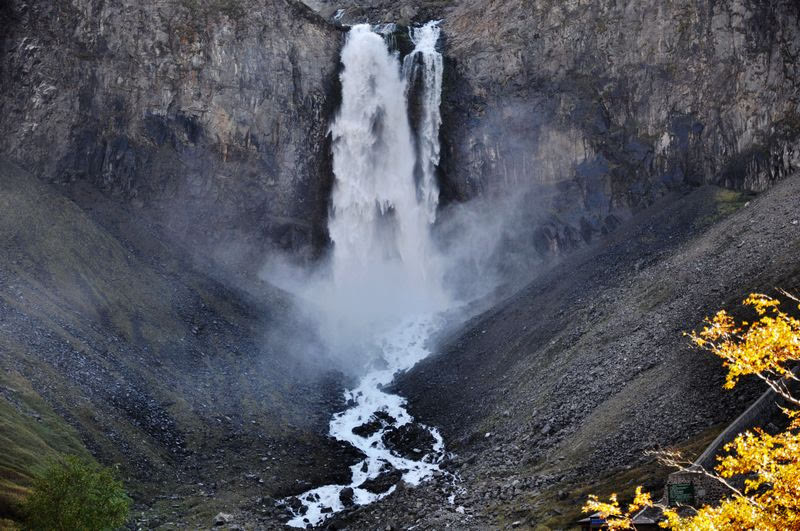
383, 266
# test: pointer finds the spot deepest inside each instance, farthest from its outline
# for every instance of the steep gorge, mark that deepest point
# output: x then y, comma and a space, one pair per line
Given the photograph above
614, 147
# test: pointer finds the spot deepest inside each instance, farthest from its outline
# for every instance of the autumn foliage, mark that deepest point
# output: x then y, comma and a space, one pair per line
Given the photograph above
770, 499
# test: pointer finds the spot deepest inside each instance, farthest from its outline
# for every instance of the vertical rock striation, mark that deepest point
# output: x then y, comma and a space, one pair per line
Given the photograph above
211, 116
593, 109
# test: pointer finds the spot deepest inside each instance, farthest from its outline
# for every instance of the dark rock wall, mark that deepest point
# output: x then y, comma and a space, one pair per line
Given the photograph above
590, 109
213, 115
380, 11
210, 116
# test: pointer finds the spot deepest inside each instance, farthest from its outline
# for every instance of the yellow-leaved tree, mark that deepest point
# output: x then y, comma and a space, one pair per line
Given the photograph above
770, 499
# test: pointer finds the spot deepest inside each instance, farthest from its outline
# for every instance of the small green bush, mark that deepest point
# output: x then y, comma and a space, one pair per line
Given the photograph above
74, 494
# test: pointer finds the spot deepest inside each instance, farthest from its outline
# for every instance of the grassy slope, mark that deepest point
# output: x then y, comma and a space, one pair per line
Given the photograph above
31, 433
120, 344
71, 291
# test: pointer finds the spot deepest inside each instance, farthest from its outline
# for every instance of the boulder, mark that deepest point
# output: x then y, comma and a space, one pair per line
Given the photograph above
346, 496
411, 441
377, 421
222, 519
383, 482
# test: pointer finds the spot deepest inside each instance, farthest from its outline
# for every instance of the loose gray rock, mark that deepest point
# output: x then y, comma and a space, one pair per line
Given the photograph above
222, 519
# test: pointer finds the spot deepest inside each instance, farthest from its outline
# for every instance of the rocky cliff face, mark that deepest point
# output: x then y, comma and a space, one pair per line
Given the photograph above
592, 109
586, 111
210, 116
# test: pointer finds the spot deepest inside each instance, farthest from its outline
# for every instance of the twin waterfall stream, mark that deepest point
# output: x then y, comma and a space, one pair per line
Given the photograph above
384, 203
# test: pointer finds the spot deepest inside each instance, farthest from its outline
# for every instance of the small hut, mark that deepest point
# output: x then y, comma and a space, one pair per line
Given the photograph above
645, 520
594, 521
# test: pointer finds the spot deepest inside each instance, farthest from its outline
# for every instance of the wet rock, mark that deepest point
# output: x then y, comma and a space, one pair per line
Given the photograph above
222, 519
297, 506
383, 482
346, 496
339, 457
378, 421
368, 428
385, 417
411, 441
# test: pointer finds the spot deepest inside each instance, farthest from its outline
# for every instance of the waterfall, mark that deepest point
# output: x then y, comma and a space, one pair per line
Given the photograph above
386, 273
381, 214
374, 200
424, 65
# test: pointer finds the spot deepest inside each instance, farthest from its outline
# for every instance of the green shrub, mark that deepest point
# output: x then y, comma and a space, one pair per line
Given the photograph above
74, 494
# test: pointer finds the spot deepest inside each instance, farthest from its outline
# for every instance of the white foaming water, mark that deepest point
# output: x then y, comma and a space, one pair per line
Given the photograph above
427, 64
385, 269
402, 350
383, 258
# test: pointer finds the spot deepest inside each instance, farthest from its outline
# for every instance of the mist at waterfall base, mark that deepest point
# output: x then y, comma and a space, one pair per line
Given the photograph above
395, 253
383, 290
383, 266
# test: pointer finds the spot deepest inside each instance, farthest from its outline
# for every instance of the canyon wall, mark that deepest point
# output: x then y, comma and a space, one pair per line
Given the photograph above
213, 116
588, 110
210, 117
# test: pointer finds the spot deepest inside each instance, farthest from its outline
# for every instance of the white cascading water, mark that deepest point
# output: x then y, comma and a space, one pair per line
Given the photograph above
386, 273
378, 227
426, 64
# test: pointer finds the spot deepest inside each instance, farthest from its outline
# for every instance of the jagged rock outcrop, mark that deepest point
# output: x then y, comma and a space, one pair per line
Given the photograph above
379, 11
211, 116
587, 110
